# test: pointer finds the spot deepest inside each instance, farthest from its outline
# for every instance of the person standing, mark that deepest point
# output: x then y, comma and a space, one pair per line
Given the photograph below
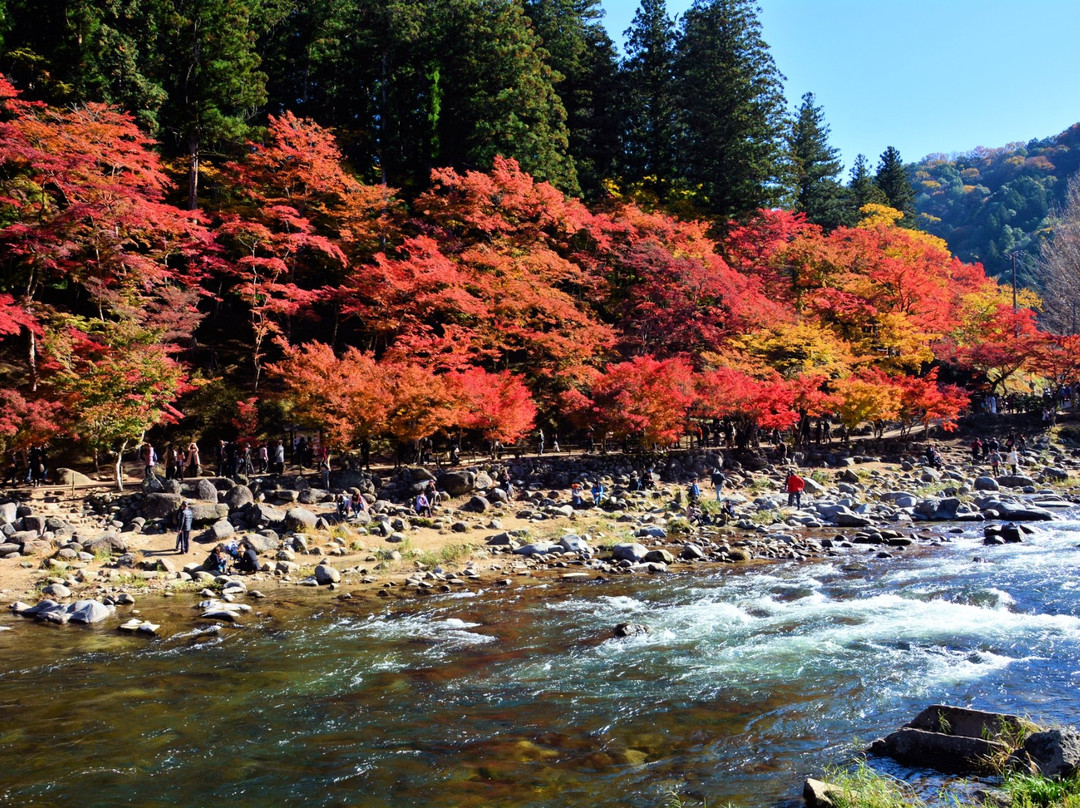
1014, 460
540, 441
183, 537
718, 481
194, 463
794, 486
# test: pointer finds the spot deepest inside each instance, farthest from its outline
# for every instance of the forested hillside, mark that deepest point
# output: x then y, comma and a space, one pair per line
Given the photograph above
989, 203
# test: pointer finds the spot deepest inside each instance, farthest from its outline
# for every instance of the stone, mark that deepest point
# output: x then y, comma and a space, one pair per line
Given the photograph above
206, 491
220, 530
456, 483
206, 513
300, 518
161, 506
575, 544
1015, 481
659, 556
631, 629
651, 532
326, 575
260, 515
56, 591
476, 504
692, 552
629, 552
985, 483
107, 543
71, 477
265, 541
819, 794
1052, 753
9, 512
89, 611
538, 548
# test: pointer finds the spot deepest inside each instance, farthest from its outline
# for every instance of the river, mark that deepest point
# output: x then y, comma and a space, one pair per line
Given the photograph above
749, 680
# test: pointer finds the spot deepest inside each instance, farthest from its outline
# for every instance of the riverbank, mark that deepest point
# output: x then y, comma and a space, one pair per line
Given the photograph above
119, 549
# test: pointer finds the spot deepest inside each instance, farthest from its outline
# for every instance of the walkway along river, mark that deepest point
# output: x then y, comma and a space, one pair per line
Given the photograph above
748, 680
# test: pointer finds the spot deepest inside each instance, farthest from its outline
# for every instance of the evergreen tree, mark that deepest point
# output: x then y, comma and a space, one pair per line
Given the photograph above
74, 51
580, 50
204, 55
649, 97
861, 190
500, 96
815, 167
732, 107
893, 181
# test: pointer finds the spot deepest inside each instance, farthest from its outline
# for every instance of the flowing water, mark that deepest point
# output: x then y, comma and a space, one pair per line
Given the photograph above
748, 681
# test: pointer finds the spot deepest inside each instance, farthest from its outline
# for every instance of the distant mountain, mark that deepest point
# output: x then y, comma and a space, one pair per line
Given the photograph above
989, 203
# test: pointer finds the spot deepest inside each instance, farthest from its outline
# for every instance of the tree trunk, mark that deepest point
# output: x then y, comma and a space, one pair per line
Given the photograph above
193, 172
120, 467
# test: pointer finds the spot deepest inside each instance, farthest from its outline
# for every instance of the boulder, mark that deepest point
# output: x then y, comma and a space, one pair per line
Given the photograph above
89, 611
264, 542
659, 557
483, 481
259, 514
476, 504
456, 483
629, 552
326, 575
1052, 753
986, 484
300, 518
575, 544
56, 591
954, 754
1015, 481
9, 512
34, 523
106, 543
692, 552
1017, 513
220, 531
537, 548
161, 506
819, 794
206, 513
206, 491
71, 477
846, 518
631, 629
651, 532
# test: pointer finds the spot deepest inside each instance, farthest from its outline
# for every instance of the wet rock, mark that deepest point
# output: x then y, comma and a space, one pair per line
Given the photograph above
575, 544
1052, 753
631, 629
692, 552
89, 611
538, 548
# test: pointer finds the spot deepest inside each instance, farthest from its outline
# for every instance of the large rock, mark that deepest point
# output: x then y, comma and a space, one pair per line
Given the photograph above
206, 491
660, 556
259, 514
819, 794
89, 611
220, 530
238, 497
575, 544
476, 504
1053, 753
107, 543
263, 542
537, 548
846, 518
986, 484
1017, 513
631, 551
71, 477
326, 575
456, 483
161, 506
9, 512
300, 518
955, 754
206, 513
1015, 481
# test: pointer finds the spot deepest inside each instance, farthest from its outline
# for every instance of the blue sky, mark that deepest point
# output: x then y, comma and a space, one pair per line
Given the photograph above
922, 76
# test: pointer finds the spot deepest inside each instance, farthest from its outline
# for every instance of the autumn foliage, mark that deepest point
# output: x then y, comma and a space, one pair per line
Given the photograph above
490, 305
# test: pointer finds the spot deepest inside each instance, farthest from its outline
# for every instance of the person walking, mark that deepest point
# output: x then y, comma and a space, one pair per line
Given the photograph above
718, 480
1014, 460
186, 518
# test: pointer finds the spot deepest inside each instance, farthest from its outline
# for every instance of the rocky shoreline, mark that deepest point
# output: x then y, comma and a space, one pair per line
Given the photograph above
72, 558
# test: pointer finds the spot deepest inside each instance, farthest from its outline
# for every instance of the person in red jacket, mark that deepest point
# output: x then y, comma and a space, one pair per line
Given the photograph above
794, 485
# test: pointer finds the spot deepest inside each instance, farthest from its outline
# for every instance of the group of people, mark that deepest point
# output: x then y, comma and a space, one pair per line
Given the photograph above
30, 467
235, 557
991, 449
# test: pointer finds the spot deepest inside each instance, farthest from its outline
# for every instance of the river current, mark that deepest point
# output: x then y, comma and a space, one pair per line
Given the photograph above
749, 680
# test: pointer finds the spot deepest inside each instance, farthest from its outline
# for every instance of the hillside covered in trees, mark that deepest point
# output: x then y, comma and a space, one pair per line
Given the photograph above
388, 221
990, 203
